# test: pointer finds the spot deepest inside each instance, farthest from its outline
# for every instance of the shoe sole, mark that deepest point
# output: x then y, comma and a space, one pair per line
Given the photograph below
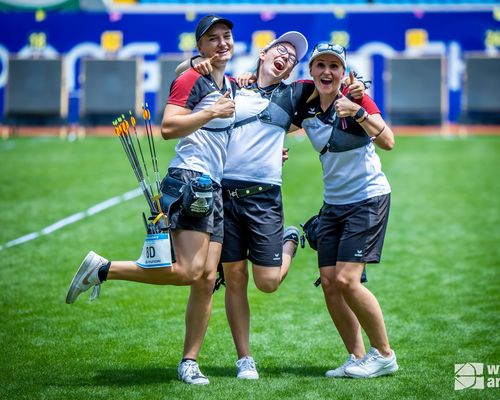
336, 376
250, 377
389, 369
72, 296
194, 382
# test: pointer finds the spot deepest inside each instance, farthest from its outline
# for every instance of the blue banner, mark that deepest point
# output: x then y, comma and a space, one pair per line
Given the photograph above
369, 38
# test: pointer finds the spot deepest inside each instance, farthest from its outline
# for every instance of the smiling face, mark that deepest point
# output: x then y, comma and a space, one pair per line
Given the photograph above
218, 40
327, 72
278, 61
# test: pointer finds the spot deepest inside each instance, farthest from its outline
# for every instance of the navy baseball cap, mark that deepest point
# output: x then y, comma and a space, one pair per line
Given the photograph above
207, 22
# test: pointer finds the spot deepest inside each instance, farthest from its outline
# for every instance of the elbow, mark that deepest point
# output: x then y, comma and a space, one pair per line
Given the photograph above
390, 144
166, 132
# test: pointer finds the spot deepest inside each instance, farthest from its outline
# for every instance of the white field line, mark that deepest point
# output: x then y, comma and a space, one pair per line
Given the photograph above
113, 201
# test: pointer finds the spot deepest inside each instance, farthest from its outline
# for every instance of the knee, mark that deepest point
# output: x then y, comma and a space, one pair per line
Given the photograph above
191, 277
331, 287
267, 285
236, 280
205, 283
344, 283
191, 274
328, 284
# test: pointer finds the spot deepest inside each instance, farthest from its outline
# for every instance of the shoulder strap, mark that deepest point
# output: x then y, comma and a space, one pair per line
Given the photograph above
245, 121
327, 145
335, 126
234, 87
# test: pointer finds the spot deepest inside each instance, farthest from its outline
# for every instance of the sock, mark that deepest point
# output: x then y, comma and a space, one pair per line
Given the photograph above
191, 359
103, 271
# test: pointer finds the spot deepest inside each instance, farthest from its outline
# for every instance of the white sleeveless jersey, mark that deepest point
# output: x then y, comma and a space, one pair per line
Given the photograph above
255, 148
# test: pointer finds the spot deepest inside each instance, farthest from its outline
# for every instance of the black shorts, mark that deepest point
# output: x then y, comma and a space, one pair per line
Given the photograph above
213, 224
353, 232
253, 225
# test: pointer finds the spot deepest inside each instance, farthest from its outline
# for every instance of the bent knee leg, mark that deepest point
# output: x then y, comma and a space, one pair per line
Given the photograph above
267, 279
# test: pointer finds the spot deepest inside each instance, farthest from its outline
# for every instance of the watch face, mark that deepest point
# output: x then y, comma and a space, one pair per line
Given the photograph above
360, 113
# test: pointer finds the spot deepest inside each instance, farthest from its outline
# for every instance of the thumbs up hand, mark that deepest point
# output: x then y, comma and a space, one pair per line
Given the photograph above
356, 88
224, 106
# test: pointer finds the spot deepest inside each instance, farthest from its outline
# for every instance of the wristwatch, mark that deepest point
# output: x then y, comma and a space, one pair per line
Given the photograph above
360, 114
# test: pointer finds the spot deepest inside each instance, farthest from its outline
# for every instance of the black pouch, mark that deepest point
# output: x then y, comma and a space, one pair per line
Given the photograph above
171, 189
310, 229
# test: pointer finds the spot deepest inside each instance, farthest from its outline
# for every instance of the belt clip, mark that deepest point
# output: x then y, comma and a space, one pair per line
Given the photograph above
234, 193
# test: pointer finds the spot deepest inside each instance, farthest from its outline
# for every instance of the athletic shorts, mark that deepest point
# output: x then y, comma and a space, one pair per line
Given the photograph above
253, 225
213, 224
353, 232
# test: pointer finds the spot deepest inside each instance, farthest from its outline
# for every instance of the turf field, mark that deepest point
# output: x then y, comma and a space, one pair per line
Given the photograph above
438, 282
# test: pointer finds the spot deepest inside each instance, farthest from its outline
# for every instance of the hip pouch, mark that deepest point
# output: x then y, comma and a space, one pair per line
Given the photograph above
197, 198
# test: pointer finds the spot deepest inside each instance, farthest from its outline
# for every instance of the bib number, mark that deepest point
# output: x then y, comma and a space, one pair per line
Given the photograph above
156, 251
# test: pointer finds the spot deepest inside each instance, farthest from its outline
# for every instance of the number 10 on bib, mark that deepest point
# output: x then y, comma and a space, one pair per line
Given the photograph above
156, 252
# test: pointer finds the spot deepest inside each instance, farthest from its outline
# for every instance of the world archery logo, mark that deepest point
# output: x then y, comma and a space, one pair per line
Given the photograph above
469, 376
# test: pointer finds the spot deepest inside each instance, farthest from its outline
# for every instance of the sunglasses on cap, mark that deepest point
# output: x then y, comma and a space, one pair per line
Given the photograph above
336, 48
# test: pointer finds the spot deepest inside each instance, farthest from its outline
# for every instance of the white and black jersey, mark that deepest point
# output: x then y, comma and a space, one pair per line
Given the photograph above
263, 117
205, 149
351, 167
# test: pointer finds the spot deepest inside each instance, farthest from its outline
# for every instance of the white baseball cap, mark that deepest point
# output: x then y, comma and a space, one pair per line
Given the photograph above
296, 39
328, 48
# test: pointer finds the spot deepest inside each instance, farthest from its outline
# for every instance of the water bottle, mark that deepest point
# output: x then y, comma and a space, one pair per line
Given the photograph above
198, 198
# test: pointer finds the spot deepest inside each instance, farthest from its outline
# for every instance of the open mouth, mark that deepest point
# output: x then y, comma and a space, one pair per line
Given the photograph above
222, 53
279, 64
326, 81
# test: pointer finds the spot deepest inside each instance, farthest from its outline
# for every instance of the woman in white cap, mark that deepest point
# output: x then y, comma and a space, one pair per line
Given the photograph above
253, 210
251, 186
200, 112
355, 211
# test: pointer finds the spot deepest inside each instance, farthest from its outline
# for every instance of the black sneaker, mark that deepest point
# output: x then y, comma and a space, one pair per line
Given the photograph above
291, 235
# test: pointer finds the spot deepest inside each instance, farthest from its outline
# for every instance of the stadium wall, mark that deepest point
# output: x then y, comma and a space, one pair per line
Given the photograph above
371, 39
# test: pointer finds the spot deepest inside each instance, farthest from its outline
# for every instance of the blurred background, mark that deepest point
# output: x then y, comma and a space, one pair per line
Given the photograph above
75, 63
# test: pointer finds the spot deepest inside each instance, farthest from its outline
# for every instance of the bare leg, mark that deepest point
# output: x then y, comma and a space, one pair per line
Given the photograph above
364, 305
268, 279
342, 316
237, 307
191, 249
199, 305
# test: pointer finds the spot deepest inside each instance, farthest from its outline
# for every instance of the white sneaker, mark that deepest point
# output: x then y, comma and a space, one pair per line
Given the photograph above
189, 372
86, 276
247, 368
373, 365
340, 371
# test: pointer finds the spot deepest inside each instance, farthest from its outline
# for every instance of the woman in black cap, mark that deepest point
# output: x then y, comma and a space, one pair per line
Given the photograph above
199, 112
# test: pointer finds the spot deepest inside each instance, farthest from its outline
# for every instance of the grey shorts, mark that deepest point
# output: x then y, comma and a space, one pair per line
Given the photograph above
253, 225
213, 224
353, 232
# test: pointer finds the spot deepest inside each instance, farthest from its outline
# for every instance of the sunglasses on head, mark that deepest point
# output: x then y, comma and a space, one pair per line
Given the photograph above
336, 48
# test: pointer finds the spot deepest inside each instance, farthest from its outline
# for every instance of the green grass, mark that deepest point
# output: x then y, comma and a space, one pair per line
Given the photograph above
438, 282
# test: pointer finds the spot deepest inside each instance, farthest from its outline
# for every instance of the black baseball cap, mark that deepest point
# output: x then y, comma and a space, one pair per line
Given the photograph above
207, 22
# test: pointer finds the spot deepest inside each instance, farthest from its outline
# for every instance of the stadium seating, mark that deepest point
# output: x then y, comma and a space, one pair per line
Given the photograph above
343, 2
